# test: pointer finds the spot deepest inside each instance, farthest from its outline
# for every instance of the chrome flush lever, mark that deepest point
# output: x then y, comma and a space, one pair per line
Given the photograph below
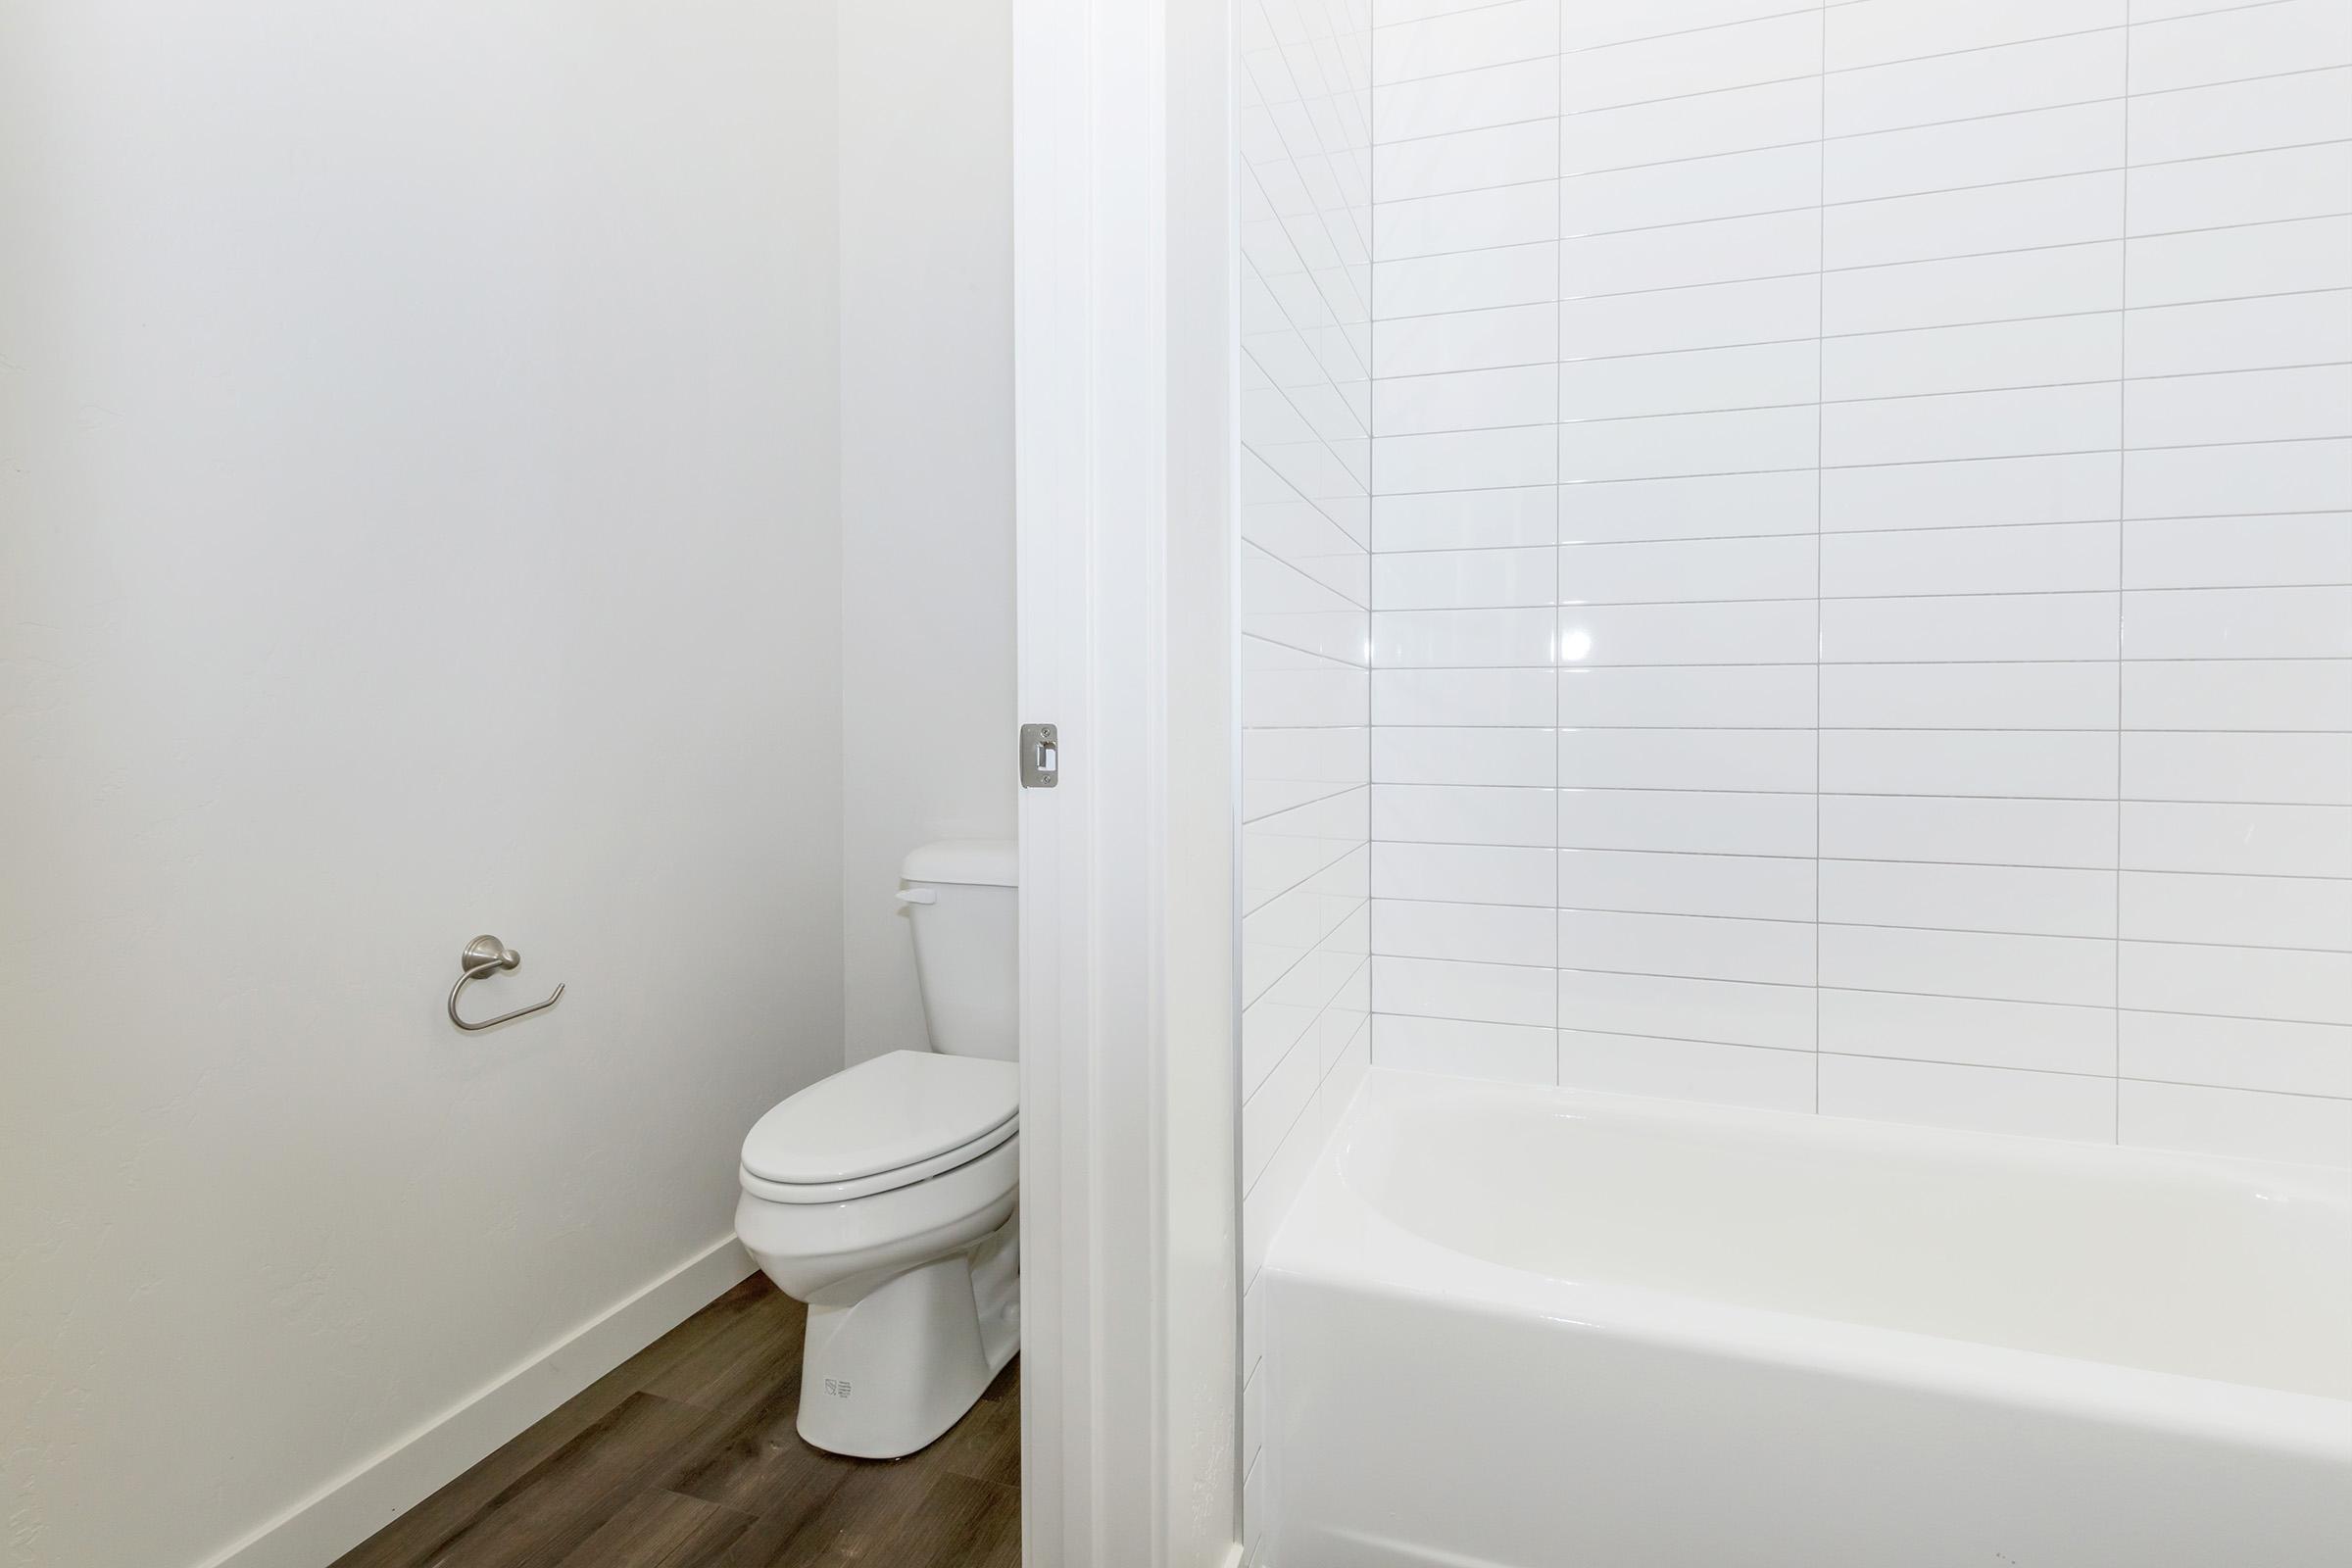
481, 955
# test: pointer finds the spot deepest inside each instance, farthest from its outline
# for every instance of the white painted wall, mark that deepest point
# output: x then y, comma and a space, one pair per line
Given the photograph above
416, 499
926, 468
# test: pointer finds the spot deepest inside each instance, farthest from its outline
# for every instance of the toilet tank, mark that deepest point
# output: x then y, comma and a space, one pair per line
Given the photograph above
961, 898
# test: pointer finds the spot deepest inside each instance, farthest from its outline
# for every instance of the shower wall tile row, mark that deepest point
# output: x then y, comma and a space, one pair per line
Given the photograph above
1304, 80
1862, 557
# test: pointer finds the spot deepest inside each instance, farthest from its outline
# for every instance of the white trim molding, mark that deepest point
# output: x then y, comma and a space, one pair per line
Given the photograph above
1123, 375
347, 1510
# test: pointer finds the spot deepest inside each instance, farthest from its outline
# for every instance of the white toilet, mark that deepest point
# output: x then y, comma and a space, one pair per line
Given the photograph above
884, 1196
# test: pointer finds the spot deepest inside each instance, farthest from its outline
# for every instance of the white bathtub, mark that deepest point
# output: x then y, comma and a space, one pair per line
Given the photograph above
1542, 1329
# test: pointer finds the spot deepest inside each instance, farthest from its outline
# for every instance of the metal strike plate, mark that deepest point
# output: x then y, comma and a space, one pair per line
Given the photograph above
1041, 757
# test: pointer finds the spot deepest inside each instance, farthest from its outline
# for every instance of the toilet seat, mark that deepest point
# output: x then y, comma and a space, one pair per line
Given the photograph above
884, 1123
879, 1181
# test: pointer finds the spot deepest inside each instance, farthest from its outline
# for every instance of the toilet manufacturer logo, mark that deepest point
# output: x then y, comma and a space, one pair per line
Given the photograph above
836, 1388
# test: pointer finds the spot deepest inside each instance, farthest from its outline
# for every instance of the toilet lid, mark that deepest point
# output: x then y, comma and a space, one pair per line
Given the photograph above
882, 1115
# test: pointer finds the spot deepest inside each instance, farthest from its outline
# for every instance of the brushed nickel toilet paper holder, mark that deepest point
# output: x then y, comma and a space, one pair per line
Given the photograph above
481, 955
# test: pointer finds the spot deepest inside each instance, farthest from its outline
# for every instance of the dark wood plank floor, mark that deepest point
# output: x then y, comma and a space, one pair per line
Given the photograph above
685, 1457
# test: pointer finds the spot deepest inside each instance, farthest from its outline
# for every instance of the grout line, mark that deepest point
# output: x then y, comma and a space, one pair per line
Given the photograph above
1741, 280
1796, 8
1882, 663
1314, 275
1286, 892
1372, 529
1839, 795
1900, 463
1339, 665
1996, 389
1879, 331
1955, 528
1882, 463
1634, 103
1329, 96
2329, 588
1821, 353
1302, 573
1307, 1039
1568, 176
1954, 996
1272, 812
1946, 1062
1559, 587
1826, 69
2123, 427
1931, 1061
1817, 860
2263, 586
1302, 498
2114, 943
1794, 924
1924, 261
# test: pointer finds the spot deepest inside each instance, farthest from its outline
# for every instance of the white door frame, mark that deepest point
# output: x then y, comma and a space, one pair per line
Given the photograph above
1124, 480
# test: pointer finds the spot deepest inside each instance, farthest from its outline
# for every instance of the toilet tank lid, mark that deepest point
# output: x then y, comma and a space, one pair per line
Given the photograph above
986, 863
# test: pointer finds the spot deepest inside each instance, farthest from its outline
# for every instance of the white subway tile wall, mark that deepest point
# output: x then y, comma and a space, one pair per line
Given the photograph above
1861, 585
1307, 388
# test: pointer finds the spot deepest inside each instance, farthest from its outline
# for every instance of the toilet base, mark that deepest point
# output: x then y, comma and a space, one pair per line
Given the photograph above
891, 1372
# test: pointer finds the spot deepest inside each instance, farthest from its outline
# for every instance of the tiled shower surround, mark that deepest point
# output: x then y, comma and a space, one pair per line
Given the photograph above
1860, 575
1304, 84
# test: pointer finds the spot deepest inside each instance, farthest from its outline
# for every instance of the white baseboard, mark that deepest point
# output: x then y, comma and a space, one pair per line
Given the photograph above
346, 1511
1233, 1556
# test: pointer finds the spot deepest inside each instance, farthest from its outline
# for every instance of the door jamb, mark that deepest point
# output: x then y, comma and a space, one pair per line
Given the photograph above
1123, 384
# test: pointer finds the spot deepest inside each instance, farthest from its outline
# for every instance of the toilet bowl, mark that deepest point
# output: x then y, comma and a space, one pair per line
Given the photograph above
885, 1194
